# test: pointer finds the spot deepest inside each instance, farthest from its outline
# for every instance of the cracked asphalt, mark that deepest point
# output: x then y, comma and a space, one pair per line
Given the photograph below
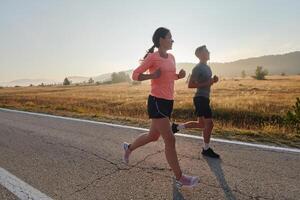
78, 160
5, 194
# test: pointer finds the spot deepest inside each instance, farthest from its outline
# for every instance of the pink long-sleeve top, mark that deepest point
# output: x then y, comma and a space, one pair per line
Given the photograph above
162, 87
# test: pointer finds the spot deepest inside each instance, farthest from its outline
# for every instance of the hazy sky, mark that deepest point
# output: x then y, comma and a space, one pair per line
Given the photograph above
57, 38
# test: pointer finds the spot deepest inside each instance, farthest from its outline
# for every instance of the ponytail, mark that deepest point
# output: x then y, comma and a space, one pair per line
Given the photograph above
159, 33
151, 50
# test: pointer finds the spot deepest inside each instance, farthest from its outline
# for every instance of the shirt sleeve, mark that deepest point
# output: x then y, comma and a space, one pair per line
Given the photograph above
175, 75
145, 65
195, 74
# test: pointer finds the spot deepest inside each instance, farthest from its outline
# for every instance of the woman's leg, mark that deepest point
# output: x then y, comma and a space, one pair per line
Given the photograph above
145, 138
163, 126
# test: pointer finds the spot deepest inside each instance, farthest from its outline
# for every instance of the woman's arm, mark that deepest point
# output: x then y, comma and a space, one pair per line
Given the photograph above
138, 73
143, 77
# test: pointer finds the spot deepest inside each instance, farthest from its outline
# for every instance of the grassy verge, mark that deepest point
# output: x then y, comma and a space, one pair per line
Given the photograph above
230, 133
244, 110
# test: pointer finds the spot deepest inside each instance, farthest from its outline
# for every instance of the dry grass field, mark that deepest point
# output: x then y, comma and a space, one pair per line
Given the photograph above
244, 109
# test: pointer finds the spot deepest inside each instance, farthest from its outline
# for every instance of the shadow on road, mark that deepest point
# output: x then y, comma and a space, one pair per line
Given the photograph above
216, 168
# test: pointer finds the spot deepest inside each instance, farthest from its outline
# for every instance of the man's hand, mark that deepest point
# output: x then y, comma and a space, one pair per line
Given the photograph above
216, 79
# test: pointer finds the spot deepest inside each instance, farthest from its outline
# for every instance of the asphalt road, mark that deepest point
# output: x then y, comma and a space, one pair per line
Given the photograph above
67, 159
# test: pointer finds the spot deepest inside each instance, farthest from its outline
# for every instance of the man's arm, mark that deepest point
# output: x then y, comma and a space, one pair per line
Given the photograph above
196, 84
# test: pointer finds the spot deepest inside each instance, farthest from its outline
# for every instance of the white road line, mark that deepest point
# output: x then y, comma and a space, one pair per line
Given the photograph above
267, 147
262, 146
19, 188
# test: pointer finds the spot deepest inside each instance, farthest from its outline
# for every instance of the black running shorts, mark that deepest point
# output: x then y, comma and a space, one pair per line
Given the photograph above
202, 107
159, 108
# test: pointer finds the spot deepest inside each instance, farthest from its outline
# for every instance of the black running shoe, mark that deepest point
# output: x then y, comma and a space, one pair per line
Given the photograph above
210, 153
174, 128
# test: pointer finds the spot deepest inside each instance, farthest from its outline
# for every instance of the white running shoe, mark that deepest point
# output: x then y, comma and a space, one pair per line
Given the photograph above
126, 152
187, 181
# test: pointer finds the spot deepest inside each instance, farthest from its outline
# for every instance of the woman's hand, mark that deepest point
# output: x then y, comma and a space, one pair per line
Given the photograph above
156, 74
181, 74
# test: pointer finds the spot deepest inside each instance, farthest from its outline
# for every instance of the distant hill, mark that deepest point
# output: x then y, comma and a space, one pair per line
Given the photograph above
27, 82
103, 77
276, 64
107, 77
77, 79
288, 63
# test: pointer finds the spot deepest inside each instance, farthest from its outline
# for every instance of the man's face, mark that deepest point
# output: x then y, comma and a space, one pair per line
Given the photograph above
204, 55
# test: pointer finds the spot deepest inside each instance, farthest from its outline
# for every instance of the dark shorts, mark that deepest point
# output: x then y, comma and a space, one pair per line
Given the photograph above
159, 108
202, 107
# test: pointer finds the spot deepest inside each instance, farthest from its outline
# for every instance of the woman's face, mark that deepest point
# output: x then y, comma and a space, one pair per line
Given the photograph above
166, 42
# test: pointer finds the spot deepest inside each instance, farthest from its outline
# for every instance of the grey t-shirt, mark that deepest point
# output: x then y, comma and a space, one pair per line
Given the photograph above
201, 73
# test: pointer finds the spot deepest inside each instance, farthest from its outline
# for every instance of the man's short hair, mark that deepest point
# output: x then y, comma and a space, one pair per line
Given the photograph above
199, 49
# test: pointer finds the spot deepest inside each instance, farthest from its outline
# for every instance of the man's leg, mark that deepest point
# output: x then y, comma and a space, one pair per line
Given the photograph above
208, 127
190, 124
